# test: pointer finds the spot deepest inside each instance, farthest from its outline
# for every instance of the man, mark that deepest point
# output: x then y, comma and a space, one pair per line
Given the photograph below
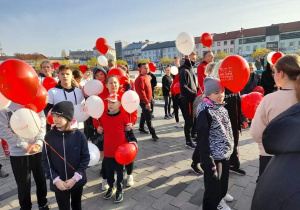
208, 57
143, 89
176, 61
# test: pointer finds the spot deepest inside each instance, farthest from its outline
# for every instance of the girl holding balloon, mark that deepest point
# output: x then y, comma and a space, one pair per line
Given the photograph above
166, 85
286, 71
65, 157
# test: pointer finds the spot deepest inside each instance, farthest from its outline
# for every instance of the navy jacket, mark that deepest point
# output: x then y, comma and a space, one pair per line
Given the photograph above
72, 145
187, 81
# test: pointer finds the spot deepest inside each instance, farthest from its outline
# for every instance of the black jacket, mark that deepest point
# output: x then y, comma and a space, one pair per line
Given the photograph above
76, 154
187, 80
153, 81
267, 80
254, 80
166, 84
279, 186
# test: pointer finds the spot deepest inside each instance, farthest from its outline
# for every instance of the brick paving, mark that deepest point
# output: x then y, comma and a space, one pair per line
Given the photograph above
162, 174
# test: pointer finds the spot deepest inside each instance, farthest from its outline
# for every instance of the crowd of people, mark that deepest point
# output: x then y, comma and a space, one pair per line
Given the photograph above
212, 117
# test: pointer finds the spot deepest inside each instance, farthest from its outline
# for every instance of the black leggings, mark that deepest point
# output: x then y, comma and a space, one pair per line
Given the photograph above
167, 105
176, 104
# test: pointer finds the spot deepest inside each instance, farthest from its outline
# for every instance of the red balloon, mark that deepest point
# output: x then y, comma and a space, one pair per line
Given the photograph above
126, 153
49, 82
56, 65
206, 39
176, 88
102, 45
250, 103
40, 101
119, 73
18, 81
234, 73
50, 118
82, 68
152, 67
276, 56
259, 89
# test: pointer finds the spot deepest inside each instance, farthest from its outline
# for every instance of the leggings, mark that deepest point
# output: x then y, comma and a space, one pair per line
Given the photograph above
167, 105
176, 104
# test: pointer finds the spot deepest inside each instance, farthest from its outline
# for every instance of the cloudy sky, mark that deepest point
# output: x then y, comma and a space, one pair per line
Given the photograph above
47, 27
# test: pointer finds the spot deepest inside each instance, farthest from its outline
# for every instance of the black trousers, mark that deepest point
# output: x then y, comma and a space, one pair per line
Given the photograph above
129, 168
22, 166
167, 105
89, 129
187, 109
146, 116
111, 166
176, 105
63, 198
234, 158
215, 188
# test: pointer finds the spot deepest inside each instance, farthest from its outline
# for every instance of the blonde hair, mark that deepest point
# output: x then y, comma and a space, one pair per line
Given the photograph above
215, 70
209, 68
112, 76
46, 62
290, 65
68, 126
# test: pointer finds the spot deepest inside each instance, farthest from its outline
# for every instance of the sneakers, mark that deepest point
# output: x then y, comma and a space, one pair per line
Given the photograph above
237, 171
109, 193
130, 181
154, 137
170, 116
196, 169
3, 174
104, 184
142, 130
223, 206
167, 117
228, 198
119, 197
178, 125
190, 145
46, 207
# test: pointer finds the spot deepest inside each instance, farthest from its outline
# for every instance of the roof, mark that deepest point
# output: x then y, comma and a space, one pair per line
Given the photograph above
292, 26
252, 32
31, 56
226, 36
3, 58
80, 52
58, 58
135, 45
160, 45
110, 48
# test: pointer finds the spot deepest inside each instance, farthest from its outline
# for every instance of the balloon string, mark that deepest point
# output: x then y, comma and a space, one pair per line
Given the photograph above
59, 155
34, 122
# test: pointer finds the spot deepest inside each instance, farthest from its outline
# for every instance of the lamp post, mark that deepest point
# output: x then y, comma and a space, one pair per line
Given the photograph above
242, 30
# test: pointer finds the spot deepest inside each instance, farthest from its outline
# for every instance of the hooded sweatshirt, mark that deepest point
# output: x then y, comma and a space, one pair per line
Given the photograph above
187, 80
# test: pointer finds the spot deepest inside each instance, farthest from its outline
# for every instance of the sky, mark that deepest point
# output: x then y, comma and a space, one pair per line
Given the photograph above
48, 27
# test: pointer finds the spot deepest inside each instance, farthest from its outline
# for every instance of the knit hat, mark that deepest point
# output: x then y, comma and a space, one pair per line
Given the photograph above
113, 98
211, 85
65, 109
99, 68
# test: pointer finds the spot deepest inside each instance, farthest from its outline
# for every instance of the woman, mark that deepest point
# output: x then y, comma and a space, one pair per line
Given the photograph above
253, 81
267, 80
285, 73
166, 84
281, 139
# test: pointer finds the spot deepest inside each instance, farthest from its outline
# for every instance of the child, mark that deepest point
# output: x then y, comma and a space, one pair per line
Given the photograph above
47, 70
66, 170
215, 144
166, 84
114, 136
77, 76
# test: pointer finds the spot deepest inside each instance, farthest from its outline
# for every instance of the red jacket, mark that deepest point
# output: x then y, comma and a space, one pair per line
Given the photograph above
176, 79
143, 88
200, 73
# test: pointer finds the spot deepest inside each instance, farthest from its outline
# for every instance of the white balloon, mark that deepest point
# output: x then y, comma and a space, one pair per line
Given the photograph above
102, 60
269, 57
185, 43
93, 87
4, 102
174, 70
25, 123
94, 154
130, 101
80, 113
95, 106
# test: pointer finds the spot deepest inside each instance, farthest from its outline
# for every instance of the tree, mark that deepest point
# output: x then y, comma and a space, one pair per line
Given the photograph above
147, 60
64, 62
221, 55
166, 60
261, 52
121, 62
63, 53
92, 62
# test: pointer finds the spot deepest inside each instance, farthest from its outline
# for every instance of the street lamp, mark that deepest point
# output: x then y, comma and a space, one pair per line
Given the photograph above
242, 30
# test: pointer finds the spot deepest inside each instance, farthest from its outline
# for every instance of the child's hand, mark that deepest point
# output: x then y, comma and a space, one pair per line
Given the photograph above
70, 183
245, 125
34, 148
60, 185
132, 142
100, 130
28, 148
89, 141
128, 127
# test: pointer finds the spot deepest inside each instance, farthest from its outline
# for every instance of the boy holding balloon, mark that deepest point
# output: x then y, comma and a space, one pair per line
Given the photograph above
65, 157
114, 137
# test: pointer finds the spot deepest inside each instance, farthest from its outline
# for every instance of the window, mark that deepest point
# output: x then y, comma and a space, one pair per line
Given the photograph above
225, 42
218, 51
247, 48
218, 43
232, 42
165, 50
291, 44
213, 52
231, 50
255, 47
282, 45
197, 46
225, 50
174, 49
272, 38
169, 49
213, 44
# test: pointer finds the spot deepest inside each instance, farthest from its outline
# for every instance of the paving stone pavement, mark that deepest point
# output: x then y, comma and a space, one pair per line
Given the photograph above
162, 173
